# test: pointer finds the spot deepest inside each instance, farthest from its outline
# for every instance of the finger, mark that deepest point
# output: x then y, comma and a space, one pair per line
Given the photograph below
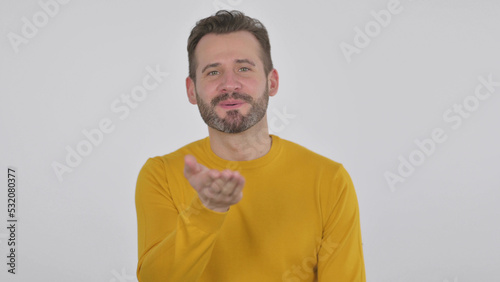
239, 183
191, 165
231, 184
212, 194
213, 181
214, 174
226, 175
235, 186
222, 180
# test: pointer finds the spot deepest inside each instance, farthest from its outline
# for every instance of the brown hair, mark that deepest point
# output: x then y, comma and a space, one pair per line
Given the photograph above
225, 22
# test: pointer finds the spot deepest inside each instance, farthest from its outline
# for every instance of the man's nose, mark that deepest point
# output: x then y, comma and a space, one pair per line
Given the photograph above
229, 83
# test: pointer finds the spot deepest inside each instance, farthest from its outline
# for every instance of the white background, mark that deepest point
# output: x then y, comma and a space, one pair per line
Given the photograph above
440, 224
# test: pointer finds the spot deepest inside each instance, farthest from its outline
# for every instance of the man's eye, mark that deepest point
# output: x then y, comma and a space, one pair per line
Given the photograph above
244, 69
213, 73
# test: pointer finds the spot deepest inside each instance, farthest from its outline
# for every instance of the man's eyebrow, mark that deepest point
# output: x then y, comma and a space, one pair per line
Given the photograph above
210, 66
245, 61
238, 61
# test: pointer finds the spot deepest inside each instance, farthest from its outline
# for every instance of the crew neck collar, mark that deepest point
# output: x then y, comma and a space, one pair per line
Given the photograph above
237, 165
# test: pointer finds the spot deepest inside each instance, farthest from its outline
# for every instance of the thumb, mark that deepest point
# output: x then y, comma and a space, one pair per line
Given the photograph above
191, 165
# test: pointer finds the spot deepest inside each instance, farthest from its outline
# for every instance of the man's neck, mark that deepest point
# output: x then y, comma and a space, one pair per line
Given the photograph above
251, 144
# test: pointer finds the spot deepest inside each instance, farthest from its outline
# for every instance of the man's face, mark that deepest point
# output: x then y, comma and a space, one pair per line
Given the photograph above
231, 89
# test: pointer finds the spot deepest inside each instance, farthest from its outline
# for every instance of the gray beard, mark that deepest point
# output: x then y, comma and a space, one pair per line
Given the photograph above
234, 122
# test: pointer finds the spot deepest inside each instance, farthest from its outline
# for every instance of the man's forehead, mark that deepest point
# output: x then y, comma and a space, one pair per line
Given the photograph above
236, 36
237, 43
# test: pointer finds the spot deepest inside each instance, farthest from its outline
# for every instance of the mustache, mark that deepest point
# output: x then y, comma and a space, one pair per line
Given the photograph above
234, 95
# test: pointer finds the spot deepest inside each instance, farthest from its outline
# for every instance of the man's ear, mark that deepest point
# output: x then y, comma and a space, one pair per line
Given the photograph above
274, 82
190, 89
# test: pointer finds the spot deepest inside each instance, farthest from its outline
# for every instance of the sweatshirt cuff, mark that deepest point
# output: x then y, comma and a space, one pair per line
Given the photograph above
205, 219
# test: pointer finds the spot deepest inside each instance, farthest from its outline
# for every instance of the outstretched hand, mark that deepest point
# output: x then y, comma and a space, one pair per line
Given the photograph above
218, 190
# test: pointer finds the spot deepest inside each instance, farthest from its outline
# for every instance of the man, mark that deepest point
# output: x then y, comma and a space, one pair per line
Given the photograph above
298, 218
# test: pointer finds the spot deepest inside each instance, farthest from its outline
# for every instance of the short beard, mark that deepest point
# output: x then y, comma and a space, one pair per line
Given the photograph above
234, 121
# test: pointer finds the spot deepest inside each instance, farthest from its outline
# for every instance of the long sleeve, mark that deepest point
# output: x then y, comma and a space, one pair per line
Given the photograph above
175, 244
340, 257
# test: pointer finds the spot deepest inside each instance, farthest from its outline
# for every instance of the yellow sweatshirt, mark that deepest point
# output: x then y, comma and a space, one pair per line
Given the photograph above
298, 220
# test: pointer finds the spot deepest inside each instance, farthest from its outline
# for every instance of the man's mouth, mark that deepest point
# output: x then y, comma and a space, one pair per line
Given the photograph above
231, 104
